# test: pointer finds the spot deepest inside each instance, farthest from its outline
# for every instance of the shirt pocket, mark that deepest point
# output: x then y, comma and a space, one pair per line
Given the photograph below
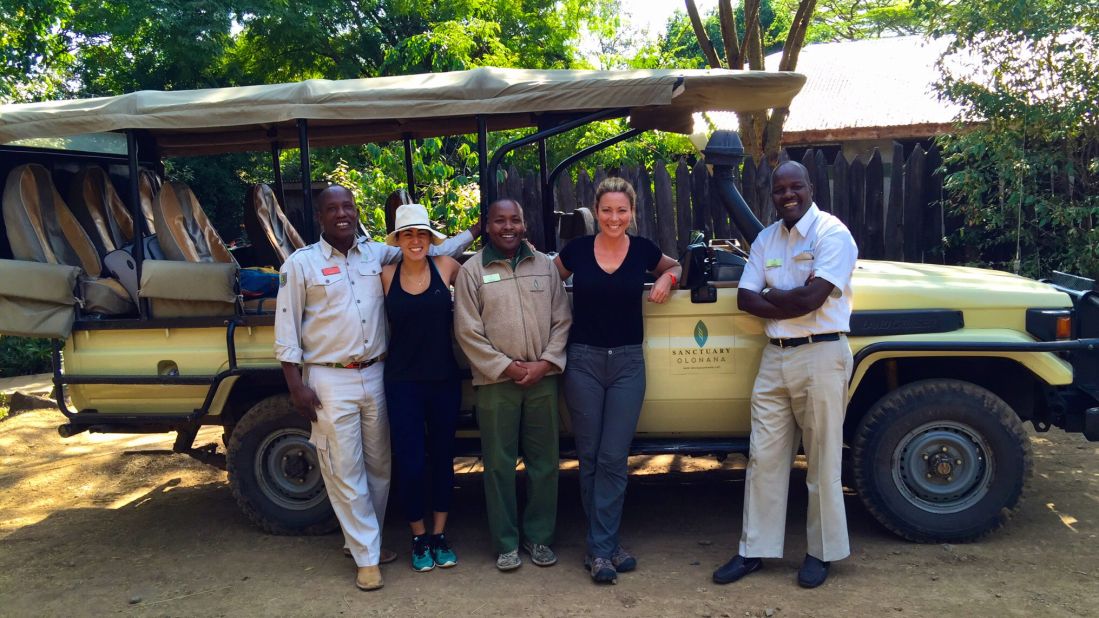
321, 287
369, 277
803, 265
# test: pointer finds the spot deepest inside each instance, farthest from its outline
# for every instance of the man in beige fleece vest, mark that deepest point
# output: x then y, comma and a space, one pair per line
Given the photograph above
512, 318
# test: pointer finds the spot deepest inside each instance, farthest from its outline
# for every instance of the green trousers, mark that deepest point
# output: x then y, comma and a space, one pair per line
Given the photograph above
510, 417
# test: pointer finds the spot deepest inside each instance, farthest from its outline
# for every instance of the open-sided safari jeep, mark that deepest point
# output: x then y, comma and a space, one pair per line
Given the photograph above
122, 269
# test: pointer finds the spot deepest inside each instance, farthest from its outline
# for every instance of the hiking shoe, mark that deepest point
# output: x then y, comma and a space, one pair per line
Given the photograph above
421, 555
602, 571
623, 560
441, 552
509, 561
540, 554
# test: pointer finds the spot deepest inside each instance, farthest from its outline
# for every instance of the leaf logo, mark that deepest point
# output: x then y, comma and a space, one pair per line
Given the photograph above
701, 334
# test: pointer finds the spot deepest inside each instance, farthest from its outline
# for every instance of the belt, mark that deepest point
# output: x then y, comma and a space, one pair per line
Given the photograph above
355, 365
794, 342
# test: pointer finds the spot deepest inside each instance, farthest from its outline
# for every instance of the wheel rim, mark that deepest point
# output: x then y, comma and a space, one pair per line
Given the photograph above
943, 467
287, 470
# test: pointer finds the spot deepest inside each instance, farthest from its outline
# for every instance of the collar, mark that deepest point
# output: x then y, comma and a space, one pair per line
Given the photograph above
327, 250
491, 254
806, 222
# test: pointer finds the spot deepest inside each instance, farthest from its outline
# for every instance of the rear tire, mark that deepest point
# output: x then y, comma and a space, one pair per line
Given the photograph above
941, 461
274, 473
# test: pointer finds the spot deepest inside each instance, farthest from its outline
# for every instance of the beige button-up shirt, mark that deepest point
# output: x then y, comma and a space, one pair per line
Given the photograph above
331, 307
818, 244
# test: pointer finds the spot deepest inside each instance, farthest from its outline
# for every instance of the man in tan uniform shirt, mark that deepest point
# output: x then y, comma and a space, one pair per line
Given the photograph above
798, 278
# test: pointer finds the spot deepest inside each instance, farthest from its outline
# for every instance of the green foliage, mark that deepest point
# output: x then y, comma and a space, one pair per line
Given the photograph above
21, 356
1025, 179
851, 20
445, 173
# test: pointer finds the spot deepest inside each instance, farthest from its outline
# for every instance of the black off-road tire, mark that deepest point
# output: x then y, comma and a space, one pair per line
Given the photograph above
904, 456
274, 474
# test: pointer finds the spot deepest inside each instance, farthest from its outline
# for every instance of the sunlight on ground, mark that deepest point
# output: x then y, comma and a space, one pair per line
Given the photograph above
1068, 520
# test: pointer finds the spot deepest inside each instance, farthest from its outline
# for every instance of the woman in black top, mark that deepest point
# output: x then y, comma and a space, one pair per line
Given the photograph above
422, 384
605, 373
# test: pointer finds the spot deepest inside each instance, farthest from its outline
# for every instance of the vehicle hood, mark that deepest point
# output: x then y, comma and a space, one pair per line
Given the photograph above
903, 285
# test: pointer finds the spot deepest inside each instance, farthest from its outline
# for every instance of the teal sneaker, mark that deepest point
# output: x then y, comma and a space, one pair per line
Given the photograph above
421, 555
441, 551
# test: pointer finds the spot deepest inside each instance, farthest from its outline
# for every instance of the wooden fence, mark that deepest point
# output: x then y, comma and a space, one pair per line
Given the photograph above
893, 210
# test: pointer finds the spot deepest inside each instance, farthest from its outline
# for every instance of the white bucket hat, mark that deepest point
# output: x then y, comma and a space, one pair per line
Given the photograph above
413, 217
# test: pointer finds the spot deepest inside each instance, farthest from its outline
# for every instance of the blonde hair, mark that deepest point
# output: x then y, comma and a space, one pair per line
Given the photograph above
616, 184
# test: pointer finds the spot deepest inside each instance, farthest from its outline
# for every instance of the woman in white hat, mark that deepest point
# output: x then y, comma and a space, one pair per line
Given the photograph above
422, 384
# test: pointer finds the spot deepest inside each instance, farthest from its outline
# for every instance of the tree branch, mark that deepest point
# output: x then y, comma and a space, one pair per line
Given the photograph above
700, 34
728, 32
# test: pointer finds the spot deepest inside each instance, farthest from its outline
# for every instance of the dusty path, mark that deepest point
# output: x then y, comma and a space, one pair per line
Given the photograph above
98, 525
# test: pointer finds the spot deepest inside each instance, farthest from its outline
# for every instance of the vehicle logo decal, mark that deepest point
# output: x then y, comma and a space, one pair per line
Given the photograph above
701, 334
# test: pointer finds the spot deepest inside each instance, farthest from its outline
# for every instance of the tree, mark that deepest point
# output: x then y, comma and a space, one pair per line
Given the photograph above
760, 131
850, 20
1026, 179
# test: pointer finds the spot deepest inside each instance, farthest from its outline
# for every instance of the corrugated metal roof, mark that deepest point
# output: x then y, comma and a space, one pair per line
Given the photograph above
858, 89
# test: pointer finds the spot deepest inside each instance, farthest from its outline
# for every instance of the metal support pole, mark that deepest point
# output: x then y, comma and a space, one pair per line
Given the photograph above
549, 229
136, 213
276, 165
306, 182
488, 188
498, 156
409, 173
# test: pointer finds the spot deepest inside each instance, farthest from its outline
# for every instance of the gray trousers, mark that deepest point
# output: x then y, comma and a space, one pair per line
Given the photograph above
604, 389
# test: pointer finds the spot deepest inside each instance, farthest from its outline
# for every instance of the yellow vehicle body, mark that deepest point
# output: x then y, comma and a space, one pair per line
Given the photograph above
701, 358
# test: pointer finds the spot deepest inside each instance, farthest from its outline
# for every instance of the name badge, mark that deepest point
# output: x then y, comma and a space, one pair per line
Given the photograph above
490, 278
331, 270
774, 263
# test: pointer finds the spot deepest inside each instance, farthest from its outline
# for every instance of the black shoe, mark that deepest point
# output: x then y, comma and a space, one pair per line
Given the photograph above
813, 572
737, 567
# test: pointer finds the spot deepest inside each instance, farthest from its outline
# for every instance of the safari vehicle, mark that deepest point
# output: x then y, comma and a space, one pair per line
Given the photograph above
121, 268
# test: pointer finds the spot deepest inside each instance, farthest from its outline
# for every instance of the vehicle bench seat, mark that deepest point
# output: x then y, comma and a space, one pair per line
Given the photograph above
273, 236
41, 228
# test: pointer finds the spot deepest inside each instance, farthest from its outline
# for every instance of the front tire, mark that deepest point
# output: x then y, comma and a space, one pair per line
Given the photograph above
274, 473
941, 461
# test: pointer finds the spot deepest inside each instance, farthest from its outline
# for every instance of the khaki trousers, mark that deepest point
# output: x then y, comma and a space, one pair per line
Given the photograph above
800, 390
352, 439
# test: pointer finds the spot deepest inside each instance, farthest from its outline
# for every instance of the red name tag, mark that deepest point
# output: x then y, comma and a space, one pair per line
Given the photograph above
331, 270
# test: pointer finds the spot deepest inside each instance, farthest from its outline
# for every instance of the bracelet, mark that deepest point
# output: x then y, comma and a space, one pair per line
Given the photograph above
764, 292
675, 282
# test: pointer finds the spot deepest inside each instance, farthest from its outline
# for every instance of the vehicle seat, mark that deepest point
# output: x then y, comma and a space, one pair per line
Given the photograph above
572, 225
398, 198
273, 237
98, 207
41, 228
184, 232
148, 186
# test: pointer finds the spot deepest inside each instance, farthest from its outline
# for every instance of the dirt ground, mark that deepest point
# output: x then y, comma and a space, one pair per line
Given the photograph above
98, 525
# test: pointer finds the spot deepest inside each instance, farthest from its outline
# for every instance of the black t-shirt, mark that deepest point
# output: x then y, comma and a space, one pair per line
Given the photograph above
606, 309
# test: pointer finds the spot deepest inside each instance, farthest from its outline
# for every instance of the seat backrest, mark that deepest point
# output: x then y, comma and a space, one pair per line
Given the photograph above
98, 207
273, 237
147, 187
398, 198
184, 232
40, 226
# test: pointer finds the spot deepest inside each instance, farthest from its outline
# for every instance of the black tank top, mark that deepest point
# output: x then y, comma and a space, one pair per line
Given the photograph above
420, 331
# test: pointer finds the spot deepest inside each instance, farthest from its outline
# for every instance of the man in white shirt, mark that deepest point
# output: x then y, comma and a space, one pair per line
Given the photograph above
330, 335
798, 279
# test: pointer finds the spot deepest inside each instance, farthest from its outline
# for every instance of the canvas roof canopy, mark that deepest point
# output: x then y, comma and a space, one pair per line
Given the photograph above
377, 109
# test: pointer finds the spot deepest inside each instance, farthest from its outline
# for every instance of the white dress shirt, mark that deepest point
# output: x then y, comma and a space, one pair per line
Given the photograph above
331, 307
818, 244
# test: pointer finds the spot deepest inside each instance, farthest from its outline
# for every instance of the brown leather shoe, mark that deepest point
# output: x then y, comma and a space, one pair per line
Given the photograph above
369, 578
387, 555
